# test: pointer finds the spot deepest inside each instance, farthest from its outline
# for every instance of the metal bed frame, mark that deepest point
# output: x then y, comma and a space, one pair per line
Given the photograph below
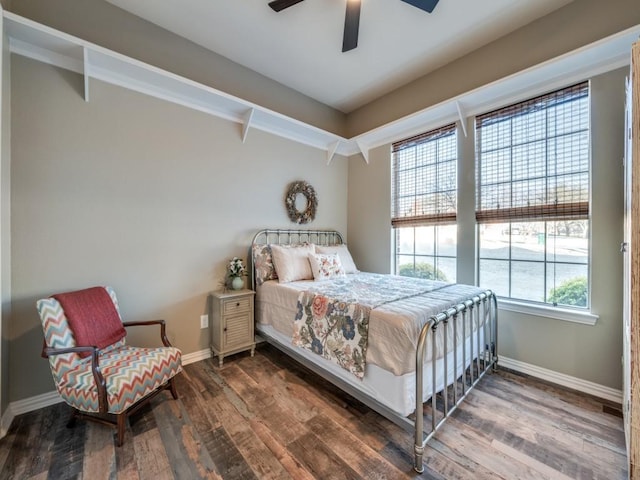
481, 358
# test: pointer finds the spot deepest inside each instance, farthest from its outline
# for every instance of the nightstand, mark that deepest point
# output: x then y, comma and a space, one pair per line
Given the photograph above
232, 323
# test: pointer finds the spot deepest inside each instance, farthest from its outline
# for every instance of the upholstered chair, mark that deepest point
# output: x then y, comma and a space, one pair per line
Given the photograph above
95, 371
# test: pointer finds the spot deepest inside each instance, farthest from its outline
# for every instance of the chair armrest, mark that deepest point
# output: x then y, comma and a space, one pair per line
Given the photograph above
101, 384
49, 351
163, 330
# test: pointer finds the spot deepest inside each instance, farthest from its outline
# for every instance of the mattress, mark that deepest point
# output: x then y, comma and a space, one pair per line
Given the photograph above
395, 392
393, 327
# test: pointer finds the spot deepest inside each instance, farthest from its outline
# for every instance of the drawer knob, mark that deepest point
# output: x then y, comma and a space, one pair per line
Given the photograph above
225, 329
238, 304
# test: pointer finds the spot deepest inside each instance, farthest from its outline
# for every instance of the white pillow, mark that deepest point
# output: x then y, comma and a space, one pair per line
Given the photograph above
345, 257
292, 263
325, 266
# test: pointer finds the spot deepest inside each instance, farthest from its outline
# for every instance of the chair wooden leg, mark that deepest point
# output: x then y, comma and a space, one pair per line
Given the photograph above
72, 418
172, 387
121, 423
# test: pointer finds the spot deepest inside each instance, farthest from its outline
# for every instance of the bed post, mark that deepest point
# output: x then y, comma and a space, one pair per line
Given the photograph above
493, 325
418, 447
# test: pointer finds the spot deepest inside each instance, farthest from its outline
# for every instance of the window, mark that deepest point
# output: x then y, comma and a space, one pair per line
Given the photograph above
532, 199
424, 190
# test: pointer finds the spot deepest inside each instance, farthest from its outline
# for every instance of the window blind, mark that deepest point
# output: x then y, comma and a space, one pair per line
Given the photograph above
533, 159
425, 178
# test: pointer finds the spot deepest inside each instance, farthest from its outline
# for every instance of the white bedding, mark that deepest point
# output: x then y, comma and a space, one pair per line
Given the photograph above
393, 327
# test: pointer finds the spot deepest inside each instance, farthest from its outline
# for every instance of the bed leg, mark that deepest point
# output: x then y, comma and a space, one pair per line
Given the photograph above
418, 451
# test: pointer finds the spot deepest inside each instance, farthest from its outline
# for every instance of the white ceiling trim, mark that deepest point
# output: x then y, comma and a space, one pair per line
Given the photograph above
47, 45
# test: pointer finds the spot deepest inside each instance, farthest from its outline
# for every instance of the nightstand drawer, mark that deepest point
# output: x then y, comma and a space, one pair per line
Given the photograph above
236, 305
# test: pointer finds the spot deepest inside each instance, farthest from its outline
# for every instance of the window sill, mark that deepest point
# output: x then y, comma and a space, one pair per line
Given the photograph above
568, 315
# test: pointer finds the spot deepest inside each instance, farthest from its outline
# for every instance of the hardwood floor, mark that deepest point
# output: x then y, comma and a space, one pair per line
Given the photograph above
266, 417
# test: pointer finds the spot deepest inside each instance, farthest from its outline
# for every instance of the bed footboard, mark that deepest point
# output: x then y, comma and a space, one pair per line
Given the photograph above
480, 315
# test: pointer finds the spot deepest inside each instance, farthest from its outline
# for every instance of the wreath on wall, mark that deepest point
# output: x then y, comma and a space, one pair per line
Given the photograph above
309, 213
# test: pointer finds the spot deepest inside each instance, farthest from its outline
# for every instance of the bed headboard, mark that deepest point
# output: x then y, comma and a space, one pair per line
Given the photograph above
289, 237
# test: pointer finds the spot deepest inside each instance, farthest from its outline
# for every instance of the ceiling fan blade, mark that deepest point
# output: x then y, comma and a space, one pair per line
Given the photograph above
278, 5
426, 5
351, 25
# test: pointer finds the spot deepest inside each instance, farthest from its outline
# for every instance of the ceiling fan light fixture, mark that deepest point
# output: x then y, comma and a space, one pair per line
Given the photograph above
351, 25
279, 5
426, 5
352, 16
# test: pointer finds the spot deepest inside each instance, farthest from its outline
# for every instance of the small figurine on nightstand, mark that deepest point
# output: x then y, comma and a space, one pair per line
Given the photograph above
235, 271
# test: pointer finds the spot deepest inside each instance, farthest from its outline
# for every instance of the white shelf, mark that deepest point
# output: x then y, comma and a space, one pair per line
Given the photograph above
45, 44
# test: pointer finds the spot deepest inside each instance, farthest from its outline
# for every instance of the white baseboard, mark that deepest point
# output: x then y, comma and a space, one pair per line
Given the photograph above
27, 405
34, 403
561, 379
196, 356
5, 421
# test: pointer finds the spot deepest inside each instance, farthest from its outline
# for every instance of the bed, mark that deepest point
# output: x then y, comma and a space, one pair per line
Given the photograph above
391, 342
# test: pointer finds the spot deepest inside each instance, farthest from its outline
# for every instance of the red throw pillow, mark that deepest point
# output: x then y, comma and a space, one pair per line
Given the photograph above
93, 317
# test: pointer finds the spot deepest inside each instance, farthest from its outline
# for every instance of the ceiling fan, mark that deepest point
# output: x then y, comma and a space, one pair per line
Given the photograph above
352, 17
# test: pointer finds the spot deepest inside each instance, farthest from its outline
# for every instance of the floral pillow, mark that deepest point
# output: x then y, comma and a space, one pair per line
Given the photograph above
345, 256
326, 265
263, 264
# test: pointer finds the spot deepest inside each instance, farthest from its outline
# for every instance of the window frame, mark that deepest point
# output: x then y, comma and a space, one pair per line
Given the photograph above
430, 219
540, 213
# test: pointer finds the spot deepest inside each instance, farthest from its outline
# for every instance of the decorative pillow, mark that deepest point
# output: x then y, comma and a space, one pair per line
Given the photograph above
263, 264
325, 266
345, 257
292, 263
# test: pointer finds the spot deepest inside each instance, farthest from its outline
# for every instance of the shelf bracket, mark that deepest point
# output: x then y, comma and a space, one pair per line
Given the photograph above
364, 150
463, 119
331, 151
246, 124
85, 72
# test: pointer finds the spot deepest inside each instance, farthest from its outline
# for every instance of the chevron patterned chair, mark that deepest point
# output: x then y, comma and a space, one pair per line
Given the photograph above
101, 377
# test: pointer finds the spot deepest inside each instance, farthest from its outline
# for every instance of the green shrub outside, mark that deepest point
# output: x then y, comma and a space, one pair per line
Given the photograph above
422, 270
572, 292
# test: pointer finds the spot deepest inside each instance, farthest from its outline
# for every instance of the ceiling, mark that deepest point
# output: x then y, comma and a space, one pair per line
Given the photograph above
300, 47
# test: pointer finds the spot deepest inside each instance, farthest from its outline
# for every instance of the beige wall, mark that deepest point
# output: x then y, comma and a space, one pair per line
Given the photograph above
577, 24
590, 353
144, 195
104, 24
369, 229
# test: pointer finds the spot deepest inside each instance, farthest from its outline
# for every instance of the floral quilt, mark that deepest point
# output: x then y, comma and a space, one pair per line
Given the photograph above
336, 330
332, 318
